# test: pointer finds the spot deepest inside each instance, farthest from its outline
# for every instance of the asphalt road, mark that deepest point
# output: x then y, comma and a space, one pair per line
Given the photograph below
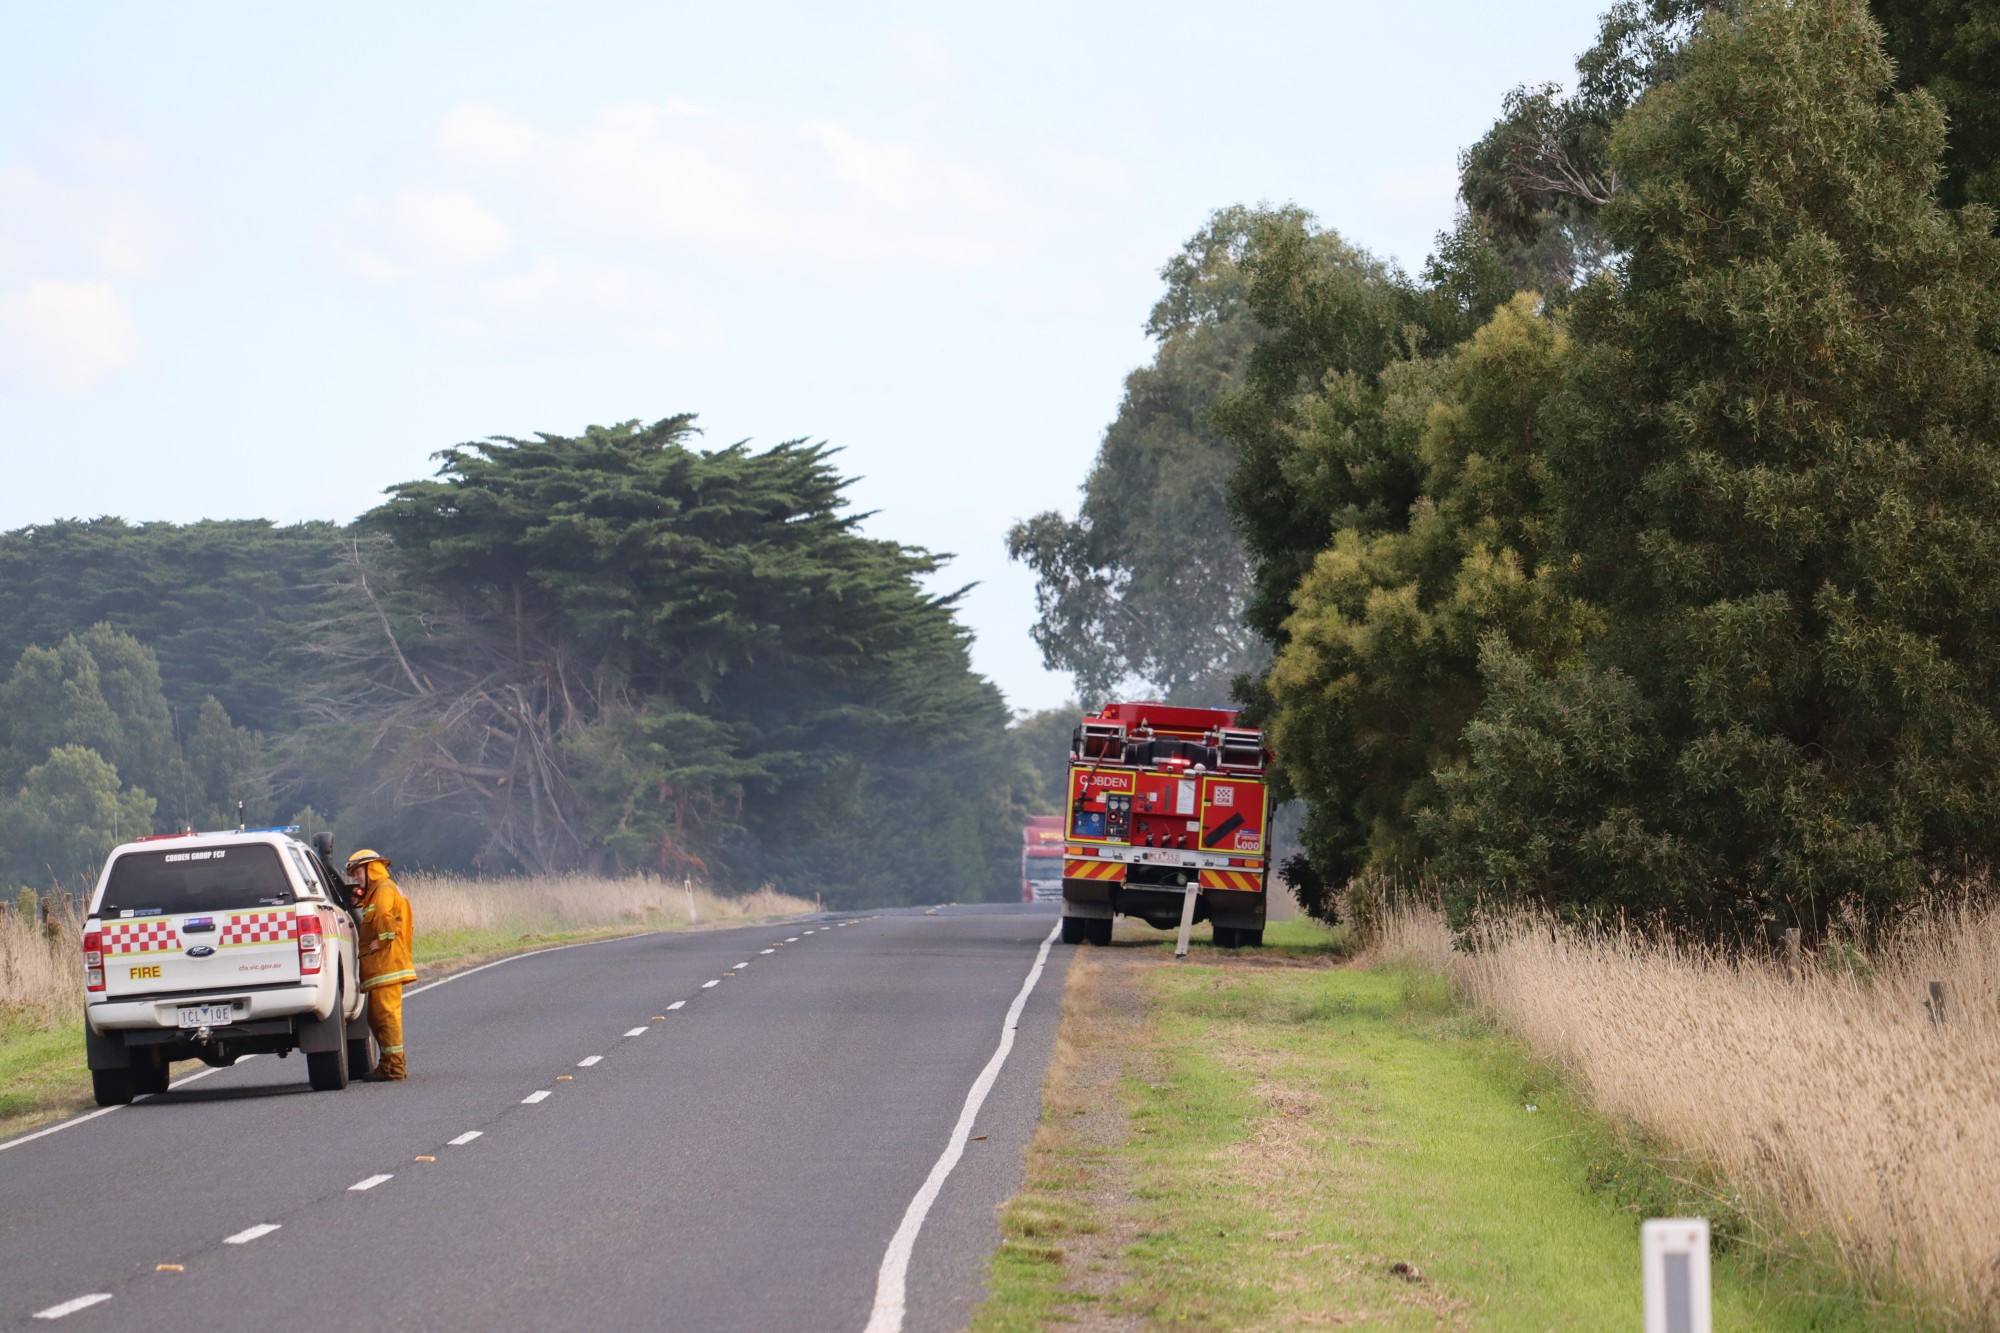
730, 1128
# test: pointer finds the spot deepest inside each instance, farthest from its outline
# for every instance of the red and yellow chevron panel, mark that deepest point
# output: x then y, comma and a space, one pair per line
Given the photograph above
1242, 881
1094, 869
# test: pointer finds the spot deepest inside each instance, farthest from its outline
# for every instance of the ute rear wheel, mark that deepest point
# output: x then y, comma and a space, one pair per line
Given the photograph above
360, 1055
111, 1087
149, 1080
327, 1070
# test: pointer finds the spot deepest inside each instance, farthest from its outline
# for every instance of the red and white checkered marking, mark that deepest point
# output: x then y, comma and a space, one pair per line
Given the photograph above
264, 928
153, 935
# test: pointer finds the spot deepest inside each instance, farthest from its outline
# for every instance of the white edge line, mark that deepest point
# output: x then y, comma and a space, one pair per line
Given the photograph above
74, 1121
892, 1279
71, 1307
249, 1234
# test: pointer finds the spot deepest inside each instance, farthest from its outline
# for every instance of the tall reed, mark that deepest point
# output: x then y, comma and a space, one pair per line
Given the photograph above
1833, 1097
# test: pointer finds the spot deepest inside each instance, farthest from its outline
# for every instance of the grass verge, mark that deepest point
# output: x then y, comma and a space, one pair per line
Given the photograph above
1232, 1144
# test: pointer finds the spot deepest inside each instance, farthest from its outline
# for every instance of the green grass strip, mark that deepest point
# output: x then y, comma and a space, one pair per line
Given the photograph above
1296, 1133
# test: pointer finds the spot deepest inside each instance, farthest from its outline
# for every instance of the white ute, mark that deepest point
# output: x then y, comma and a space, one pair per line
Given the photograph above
212, 946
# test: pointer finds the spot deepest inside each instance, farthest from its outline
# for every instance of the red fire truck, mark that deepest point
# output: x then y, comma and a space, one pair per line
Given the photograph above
1163, 800
1042, 859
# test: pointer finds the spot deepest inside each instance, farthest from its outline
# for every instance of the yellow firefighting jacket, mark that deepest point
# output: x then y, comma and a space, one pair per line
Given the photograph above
386, 927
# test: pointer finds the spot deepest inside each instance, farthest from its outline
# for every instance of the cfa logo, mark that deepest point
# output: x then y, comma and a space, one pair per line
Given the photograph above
151, 973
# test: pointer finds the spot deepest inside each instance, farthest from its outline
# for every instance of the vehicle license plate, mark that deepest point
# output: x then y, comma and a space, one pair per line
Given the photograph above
205, 1016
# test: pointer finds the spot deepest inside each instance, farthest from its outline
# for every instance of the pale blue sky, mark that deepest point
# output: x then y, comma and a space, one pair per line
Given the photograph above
262, 260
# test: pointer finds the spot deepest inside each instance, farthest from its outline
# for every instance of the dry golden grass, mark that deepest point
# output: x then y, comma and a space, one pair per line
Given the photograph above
41, 966
41, 970
1832, 1101
559, 904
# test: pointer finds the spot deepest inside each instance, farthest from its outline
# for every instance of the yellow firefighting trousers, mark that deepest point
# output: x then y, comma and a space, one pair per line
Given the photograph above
385, 1020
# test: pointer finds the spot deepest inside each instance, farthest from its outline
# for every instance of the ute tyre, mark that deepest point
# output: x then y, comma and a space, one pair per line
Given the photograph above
149, 1080
326, 1071
360, 1056
1100, 931
111, 1087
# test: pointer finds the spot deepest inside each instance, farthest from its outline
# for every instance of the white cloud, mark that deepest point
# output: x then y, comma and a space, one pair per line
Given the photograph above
675, 174
922, 56
66, 337
73, 237
422, 230
106, 228
620, 216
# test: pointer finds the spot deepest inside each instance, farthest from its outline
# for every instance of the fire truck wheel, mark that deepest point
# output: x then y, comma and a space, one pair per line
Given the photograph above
1228, 937
1100, 931
1251, 937
149, 1080
1074, 929
111, 1087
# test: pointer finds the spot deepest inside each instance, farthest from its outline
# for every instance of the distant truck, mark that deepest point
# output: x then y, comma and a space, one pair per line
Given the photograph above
1163, 800
1042, 859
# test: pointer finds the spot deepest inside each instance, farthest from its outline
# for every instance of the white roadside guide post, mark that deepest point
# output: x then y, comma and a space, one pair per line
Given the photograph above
1673, 1258
687, 882
1187, 915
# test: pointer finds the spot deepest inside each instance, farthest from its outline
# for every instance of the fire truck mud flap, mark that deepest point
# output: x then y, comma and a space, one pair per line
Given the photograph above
1089, 899
1235, 911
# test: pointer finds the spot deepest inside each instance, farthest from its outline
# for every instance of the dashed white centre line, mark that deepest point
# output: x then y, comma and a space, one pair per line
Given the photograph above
465, 1138
71, 1307
767, 951
739, 966
534, 1097
246, 1236
588, 1061
791, 939
706, 984
636, 1032
368, 1184
675, 1005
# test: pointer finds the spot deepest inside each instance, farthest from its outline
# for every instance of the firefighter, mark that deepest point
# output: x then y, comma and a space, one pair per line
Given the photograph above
387, 964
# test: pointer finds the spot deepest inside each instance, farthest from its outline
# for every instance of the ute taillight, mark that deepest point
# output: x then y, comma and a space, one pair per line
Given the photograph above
310, 943
93, 961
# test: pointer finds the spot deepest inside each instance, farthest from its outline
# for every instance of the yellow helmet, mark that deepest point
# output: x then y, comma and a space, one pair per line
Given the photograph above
364, 856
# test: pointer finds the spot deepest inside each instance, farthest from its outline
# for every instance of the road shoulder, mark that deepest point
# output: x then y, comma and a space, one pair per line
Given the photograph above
1239, 1142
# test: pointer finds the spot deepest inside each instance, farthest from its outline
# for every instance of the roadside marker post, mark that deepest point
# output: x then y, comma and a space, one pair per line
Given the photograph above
1187, 917
1673, 1260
